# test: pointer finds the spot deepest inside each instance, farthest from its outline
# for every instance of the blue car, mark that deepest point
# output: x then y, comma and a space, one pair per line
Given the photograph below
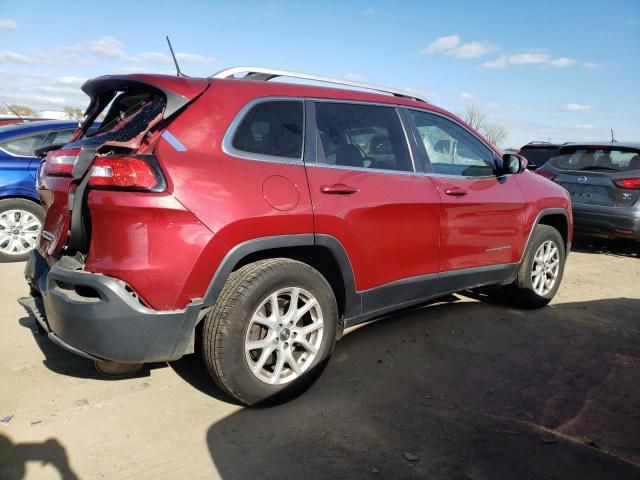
21, 217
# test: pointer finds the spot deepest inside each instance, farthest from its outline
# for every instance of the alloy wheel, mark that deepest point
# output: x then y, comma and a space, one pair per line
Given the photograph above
546, 265
284, 335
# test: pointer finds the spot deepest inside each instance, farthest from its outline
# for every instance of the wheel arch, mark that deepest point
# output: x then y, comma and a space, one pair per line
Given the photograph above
557, 218
323, 252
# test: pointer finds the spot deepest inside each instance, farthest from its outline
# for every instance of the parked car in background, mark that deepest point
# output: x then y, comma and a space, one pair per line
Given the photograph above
538, 153
10, 120
604, 182
21, 216
259, 219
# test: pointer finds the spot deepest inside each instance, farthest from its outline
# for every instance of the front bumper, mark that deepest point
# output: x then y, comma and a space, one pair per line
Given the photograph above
100, 317
606, 225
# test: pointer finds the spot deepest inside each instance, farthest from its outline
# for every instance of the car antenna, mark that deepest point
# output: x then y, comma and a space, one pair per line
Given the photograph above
613, 140
175, 60
14, 112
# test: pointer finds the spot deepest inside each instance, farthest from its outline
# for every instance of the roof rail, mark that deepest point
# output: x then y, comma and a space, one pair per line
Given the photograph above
266, 74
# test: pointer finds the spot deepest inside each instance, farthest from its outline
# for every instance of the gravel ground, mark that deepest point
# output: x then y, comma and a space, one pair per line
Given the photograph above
467, 389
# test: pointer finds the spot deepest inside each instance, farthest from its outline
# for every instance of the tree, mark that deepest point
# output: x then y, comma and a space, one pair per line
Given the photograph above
22, 110
73, 112
478, 121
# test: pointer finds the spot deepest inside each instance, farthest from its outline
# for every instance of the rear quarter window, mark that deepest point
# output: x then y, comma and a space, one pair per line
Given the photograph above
271, 128
24, 146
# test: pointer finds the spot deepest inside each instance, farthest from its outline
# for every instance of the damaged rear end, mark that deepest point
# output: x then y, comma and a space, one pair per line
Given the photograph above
104, 255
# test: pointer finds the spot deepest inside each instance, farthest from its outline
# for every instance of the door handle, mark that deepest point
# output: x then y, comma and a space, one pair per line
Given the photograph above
338, 189
455, 192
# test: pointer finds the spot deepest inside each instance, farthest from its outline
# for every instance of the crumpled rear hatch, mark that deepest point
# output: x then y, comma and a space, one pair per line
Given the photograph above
134, 109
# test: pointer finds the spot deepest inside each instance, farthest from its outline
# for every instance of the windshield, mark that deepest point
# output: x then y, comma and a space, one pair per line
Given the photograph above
597, 158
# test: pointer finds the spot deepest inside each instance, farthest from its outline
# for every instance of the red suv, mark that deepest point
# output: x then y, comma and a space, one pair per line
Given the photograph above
257, 220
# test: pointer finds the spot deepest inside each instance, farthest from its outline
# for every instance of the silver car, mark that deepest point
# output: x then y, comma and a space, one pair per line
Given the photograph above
604, 182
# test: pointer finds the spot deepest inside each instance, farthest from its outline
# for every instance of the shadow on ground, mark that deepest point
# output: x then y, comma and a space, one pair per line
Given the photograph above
61, 361
619, 247
14, 458
465, 390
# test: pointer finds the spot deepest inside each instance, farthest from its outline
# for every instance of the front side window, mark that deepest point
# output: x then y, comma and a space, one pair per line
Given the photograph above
361, 136
272, 128
24, 146
451, 149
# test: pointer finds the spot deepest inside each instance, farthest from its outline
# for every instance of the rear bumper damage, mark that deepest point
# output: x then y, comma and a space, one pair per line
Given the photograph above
99, 317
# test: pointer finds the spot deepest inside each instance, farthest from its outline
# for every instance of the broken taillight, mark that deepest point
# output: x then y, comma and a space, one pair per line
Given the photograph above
126, 173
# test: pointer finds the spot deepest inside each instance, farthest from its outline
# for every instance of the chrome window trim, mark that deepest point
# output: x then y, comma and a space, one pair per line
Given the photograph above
227, 139
366, 169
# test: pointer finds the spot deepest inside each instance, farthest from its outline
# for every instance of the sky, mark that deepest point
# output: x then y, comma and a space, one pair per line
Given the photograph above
558, 71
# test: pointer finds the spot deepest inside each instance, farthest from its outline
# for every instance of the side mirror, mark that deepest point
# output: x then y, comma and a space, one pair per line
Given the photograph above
512, 163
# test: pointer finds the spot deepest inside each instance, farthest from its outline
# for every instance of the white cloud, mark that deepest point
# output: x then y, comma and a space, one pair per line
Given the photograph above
153, 57
7, 56
500, 62
592, 65
354, 77
466, 96
107, 47
443, 44
71, 81
194, 58
528, 58
6, 24
471, 50
369, 11
585, 126
563, 62
576, 107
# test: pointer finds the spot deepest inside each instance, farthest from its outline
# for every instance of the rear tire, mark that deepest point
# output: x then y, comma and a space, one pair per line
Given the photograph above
540, 272
21, 222
291, 341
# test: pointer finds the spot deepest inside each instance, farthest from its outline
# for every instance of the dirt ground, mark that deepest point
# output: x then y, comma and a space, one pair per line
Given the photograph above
462, 390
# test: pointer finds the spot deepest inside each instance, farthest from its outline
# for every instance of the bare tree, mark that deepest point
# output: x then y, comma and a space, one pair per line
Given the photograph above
23, 110
478, 121
73, 112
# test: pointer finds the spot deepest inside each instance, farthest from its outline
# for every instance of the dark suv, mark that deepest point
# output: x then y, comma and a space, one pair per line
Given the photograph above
259, 219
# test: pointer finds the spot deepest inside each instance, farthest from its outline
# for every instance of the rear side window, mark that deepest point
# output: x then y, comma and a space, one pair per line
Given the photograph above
24, 146
361, 136
272, 128
451, 149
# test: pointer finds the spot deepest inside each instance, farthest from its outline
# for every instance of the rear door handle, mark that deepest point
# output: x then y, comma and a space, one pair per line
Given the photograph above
455, 192
338, 189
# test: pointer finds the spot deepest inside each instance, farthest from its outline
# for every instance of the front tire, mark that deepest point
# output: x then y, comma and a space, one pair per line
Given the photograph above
271, 331
541, 270
21, 222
